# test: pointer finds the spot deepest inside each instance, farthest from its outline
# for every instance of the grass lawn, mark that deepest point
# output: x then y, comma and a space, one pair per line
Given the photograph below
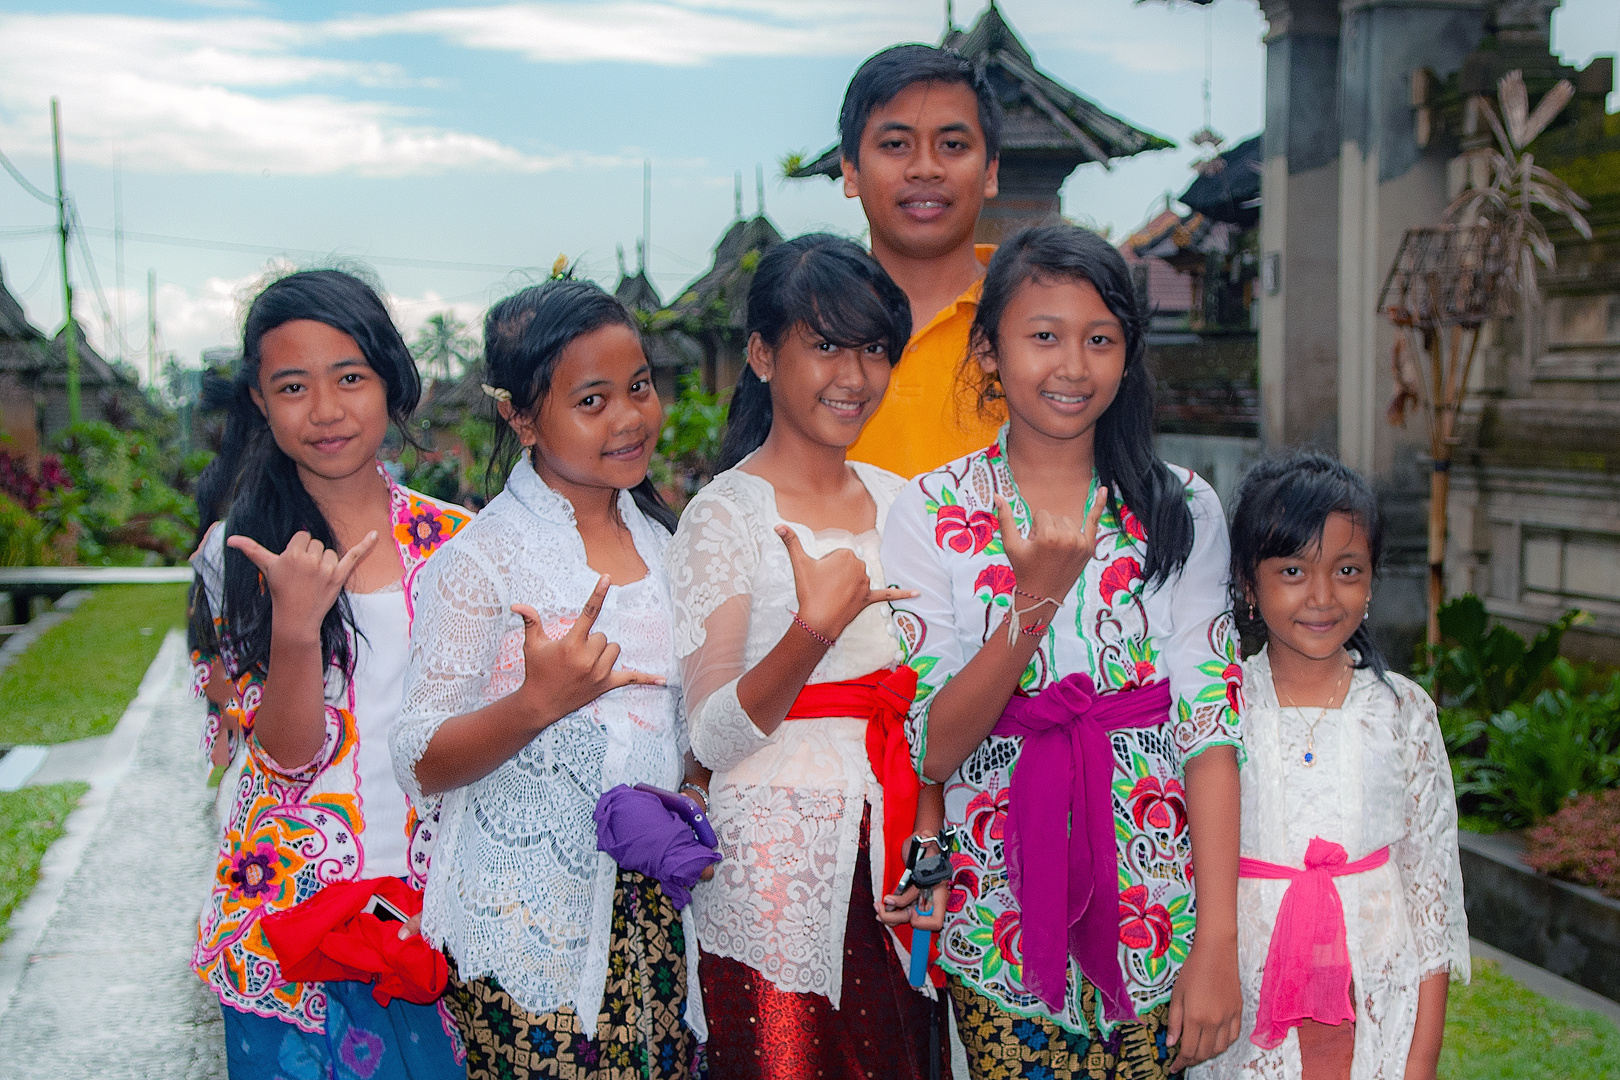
1495, 1028
29, 820
80, 676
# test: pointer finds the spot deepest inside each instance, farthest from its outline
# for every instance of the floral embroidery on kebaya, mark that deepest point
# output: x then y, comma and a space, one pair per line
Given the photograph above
421, 525
290, 832
1122, 634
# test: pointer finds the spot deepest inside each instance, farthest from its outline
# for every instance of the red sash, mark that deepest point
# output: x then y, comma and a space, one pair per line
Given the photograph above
883, 698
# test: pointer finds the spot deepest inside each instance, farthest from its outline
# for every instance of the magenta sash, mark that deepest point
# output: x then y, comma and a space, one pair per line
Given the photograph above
1066, 880
1307, 975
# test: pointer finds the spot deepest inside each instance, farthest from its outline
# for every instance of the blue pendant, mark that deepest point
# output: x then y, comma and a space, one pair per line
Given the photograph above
1310, 758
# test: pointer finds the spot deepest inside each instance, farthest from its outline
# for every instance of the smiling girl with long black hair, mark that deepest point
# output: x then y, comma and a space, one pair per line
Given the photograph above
305, 605
794, 690
1076, 664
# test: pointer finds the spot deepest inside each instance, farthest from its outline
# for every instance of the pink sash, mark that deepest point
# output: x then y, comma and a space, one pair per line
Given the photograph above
1307, 975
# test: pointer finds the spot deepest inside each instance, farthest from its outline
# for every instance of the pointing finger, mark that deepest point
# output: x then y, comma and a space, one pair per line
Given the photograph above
878, 596
627, 677
1095, 515
593, 608
1009, 524
256, 552
355, 555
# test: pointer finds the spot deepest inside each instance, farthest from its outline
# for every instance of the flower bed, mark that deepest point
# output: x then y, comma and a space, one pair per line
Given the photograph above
1580, 843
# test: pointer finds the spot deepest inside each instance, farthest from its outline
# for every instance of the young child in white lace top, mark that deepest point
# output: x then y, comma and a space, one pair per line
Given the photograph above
1349, 819
542, 676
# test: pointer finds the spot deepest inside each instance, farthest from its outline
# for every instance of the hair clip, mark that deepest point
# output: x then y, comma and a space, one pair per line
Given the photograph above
496, 392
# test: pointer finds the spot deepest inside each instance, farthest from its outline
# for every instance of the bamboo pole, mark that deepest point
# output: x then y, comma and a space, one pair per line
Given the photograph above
68, 327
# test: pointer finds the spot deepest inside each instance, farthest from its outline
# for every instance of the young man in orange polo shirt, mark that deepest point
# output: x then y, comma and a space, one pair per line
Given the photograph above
921, 132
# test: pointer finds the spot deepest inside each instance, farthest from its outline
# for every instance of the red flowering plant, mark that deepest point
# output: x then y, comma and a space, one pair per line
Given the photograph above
1581, 842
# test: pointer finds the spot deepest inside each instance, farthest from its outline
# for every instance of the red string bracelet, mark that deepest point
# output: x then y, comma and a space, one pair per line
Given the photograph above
806, 628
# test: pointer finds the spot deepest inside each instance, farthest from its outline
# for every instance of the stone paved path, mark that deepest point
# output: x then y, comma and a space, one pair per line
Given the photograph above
94, 979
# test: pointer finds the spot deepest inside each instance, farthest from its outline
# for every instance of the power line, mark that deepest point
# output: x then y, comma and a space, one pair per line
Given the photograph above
265, 249
23, 180
95, 280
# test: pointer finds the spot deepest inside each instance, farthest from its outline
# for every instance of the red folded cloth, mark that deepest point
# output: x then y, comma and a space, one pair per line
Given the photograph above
328, 937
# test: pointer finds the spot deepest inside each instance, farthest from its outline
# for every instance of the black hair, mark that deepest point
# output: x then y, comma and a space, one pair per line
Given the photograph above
270, 502
1282, 507
839, 292
524, 337
885, 75
214, 487
1125, 459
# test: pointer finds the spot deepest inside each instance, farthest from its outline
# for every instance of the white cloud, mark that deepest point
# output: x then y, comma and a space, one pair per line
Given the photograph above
205, 96
656, 31
210, 316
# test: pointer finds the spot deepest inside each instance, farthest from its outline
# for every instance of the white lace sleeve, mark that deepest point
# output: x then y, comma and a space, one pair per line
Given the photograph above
712, 561
926, 624
461, 618
1427, 854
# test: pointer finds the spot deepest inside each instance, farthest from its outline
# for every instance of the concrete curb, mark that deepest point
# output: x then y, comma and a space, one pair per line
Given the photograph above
28, 922
30, 633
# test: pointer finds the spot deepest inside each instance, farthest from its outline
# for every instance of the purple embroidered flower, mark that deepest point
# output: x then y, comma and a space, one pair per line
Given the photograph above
254, 872
361, 1051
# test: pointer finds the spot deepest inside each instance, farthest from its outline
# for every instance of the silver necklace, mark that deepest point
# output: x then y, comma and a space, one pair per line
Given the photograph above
1308, 759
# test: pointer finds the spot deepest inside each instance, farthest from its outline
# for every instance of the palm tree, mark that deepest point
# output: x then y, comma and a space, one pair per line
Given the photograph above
1450, 279
443, 346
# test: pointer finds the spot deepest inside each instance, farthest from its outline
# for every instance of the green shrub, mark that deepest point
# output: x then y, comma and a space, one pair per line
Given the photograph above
689, 445
1486, 668
24, 539
1543, 752
123, 497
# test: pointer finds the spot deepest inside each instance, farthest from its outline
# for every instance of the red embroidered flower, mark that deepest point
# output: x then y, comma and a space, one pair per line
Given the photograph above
1128, 522
1159, 804
999, 580
1145, 672
963, 532
1142, 926
1234, 687
1007, 934
964, 882
1117, 577
986, 816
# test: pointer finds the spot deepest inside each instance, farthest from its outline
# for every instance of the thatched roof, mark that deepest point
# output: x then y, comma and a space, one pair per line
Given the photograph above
93, 370
1228, 185
1043, 118
727, 279
637, 292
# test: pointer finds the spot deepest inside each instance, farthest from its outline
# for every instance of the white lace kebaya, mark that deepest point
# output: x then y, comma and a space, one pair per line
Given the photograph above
1380, 778
517, 888
787, 806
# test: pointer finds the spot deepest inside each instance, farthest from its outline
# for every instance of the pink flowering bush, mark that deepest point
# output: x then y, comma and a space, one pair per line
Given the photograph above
1581, 842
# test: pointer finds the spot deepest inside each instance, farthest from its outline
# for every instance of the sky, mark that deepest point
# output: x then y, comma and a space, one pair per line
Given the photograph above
457, 149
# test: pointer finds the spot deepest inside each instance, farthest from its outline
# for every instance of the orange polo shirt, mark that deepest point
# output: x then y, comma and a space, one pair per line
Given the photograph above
930, 415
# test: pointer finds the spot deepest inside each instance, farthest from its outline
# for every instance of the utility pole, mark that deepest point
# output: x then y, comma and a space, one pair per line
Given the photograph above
151, 328
645, 254
118, 255
68, 326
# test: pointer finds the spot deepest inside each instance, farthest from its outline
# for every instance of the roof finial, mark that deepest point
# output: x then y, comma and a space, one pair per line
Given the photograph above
759, 189
736, 198
950, 15
621, 257
645, 243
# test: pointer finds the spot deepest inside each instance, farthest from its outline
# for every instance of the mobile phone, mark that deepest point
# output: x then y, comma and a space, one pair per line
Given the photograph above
384, 911
689, 812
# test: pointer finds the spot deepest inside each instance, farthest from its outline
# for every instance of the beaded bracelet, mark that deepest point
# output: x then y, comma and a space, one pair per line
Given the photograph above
829, 642
700, 789
1034, 629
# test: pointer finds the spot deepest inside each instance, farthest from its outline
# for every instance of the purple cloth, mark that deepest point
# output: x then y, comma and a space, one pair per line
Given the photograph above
1069, 899
642, 834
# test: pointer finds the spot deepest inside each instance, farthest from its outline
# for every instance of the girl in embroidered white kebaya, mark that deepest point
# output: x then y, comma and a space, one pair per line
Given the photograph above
301, 627
795, 690
1351, 895
1078, 693
542, 682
